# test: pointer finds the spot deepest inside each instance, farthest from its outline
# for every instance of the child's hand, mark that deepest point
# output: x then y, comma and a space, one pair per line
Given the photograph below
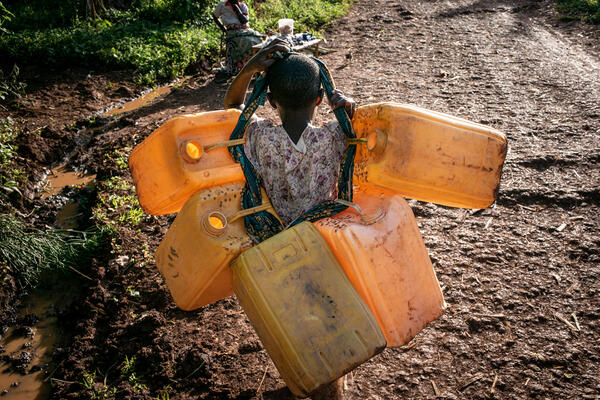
339, 100
264, 58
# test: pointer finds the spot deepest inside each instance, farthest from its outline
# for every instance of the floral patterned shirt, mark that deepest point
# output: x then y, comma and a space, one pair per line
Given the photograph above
297, 176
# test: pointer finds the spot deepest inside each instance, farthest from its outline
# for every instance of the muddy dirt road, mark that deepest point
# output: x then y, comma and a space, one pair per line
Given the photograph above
522, 278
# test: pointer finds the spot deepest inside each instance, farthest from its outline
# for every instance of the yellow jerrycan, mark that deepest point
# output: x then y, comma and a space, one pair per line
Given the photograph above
208, 233
310, 319
182, 156
383, 255
428, 156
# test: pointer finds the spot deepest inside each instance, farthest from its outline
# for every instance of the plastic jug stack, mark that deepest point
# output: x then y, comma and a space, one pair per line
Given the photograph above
195, 254
180, 158
428, 156
310, 319
324, 297
383, 254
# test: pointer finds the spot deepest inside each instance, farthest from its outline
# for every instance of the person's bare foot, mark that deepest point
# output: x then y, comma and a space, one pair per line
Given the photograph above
333, 391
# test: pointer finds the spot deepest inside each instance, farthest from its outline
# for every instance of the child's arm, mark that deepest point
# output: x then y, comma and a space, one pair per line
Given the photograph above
219, 24
216, 14
234, 98
236, 8
339, 100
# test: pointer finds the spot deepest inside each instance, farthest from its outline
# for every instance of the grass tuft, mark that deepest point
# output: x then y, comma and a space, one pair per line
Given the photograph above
26, 252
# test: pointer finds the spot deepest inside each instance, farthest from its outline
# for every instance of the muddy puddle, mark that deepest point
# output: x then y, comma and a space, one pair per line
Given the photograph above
144, 100
61, 177
27, 349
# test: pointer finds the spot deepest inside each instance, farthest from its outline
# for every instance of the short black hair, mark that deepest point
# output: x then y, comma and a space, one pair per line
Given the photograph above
294, 81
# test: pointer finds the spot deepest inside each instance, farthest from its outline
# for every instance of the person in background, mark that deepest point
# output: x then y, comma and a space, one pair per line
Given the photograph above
231, 16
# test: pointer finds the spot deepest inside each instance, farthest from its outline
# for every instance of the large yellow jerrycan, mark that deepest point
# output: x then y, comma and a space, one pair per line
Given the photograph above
179, 158
428, 156
383, 255
310, 319
195, 254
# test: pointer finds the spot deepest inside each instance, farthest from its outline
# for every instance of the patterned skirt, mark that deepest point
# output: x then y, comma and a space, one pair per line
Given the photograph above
239, 48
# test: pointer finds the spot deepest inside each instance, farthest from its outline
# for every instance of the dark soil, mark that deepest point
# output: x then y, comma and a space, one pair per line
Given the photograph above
522, 278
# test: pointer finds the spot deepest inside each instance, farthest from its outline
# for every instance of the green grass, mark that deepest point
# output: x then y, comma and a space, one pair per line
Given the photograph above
308, 15
157, 38
26, 252
588, 10
10, 175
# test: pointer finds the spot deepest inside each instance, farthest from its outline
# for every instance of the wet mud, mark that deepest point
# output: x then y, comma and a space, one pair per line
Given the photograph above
521, 278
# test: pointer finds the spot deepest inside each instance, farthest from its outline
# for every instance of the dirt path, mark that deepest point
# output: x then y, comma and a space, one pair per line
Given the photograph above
512, 274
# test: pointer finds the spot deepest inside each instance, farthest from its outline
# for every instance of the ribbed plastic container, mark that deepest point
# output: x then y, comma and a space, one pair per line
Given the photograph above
195, 254
384, 257
428, 156
310, 319
172, 164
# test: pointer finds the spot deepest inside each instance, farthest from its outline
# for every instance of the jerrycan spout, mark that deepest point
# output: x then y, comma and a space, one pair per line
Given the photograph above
214, 223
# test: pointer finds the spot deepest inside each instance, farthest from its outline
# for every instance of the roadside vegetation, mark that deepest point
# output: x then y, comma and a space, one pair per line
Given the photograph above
588, 10
10, 174
26, 253
159, 39
155, 39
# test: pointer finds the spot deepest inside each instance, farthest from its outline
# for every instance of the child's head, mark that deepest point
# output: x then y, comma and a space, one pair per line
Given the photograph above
294, 82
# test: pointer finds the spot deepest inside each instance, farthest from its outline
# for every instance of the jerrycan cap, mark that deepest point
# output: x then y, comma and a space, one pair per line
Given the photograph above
191, 151
376, 142
215, 223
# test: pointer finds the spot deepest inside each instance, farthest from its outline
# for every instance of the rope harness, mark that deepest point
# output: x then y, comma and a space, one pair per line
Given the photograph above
262, 225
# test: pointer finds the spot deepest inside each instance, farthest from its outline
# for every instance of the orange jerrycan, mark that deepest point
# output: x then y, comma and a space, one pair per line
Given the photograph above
428, 156
180, 158
384, 257
195, 254
310, 319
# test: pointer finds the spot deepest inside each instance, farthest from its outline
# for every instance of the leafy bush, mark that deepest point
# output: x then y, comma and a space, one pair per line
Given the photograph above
588, 10
159, 38
8, 133
10, 176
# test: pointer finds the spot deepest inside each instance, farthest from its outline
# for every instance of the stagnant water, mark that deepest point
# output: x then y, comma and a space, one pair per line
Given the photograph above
41, 338
37, 343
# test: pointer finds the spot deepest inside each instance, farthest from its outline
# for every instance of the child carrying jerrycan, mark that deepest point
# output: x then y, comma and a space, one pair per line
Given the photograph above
298, 162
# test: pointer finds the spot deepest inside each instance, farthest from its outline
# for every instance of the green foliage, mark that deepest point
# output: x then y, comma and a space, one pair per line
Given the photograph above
10, 86
8, 133
42, 14
98, 392
588, 10
128, 372
10, 176
158, 38
5, 16
307, 14
117, 203
26, 251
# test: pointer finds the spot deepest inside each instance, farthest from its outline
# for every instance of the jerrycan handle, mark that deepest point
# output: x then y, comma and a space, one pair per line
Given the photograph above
248, 211
366, 219
375, 141
215, 223
192, 151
